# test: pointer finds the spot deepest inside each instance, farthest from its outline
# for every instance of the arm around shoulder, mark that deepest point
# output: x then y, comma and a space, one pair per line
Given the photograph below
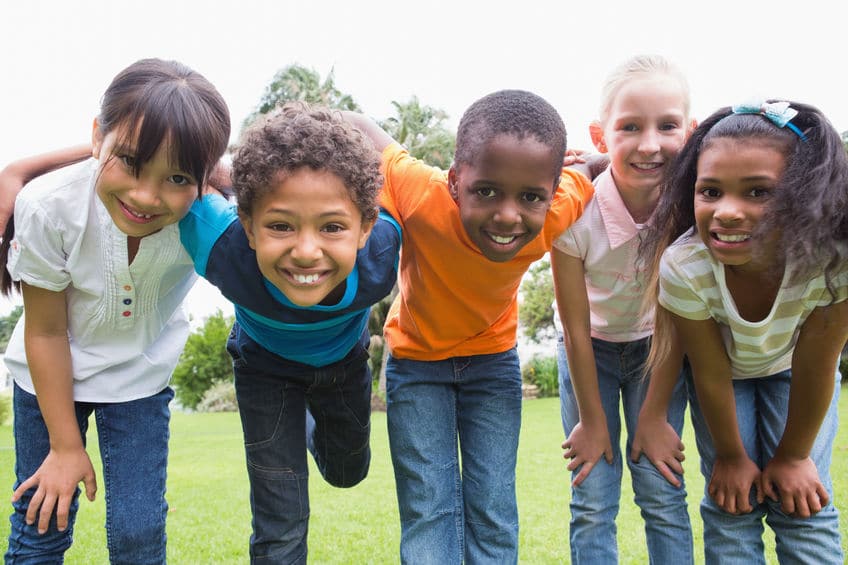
369, 127
15, 175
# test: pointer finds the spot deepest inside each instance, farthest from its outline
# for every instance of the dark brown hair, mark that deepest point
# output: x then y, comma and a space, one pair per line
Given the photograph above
159, 101
298, 135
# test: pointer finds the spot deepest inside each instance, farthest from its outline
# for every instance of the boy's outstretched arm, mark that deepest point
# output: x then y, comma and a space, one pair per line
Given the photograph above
369, 127
16, 174
791, 476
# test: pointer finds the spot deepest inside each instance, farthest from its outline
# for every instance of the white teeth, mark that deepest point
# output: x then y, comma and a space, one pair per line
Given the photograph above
647, 166
137, 215
501, 239
306, 279
732, 238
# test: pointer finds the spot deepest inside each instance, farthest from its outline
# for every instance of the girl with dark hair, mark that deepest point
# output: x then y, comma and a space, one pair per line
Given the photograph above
756, 292
103, 275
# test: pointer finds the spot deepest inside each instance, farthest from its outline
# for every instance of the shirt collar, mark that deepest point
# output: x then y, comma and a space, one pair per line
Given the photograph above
618, 222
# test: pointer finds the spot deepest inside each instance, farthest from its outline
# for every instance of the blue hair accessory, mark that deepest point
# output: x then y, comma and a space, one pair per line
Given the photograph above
778, 113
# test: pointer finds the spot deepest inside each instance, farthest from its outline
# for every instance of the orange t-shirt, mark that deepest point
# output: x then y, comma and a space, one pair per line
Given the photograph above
454, 301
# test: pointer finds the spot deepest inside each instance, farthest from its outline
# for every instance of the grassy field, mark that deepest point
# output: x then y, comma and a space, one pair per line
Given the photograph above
209, 520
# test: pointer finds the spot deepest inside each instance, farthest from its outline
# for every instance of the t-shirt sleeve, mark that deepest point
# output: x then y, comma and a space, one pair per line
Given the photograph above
207, 219
567, 243
570, 199
677, 292
405, 181
36, 254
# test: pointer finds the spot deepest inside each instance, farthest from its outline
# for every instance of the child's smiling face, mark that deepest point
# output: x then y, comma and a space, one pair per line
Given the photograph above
736, 180
306, 232
645, 129
160, 195
504, 196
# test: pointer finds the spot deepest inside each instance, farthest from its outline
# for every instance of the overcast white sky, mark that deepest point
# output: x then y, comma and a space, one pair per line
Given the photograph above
56, 58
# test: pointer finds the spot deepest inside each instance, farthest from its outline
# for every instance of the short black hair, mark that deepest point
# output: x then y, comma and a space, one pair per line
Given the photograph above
512, 112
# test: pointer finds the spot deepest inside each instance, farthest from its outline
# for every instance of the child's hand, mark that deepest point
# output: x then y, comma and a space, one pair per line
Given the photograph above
585, 446
573, 156
657, 440
589, 164
730, 484
796, 483
57, 479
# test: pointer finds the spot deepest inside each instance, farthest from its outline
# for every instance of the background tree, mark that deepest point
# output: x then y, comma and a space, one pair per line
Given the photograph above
421, 129
845, 139
296, 82
204, 361
535, 314
7, 324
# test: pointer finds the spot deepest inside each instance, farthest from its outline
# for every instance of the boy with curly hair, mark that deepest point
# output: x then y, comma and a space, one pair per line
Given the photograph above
302, 257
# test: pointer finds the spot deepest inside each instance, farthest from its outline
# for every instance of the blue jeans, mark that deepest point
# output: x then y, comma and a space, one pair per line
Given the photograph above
133, 440
442, 414
762, 405
285, 408
595, 503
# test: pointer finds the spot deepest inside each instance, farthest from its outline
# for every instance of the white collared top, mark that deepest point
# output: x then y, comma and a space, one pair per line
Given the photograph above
126, 324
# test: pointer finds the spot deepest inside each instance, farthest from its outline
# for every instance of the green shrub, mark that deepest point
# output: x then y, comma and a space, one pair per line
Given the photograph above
220, 397
542, 372
5, 407
204, 361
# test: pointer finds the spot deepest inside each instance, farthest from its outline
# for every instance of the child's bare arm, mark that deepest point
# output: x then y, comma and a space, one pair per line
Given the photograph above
654, 436
589, 440
16, 174
791, 476
366, 125
67, 463
733, 471
219, 180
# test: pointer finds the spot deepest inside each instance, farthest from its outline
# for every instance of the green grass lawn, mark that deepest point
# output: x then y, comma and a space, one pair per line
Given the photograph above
209, 520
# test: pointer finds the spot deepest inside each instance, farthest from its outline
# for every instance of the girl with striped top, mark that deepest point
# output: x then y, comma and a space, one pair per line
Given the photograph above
756, 293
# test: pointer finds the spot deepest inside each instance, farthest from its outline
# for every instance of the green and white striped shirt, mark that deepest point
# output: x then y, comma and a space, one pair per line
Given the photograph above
692, 285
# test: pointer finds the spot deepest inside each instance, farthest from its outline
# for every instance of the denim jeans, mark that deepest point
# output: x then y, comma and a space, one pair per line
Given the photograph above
453, 433
287, 407
595, 503
133, 439
762, 405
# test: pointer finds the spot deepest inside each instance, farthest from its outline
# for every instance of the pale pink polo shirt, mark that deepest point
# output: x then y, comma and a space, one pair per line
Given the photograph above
606, 238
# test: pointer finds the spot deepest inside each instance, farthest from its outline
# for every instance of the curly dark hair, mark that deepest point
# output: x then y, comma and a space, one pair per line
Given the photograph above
299, 135
514, 112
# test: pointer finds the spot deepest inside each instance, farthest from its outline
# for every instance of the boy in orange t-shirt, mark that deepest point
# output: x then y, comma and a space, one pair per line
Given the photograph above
453, 376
